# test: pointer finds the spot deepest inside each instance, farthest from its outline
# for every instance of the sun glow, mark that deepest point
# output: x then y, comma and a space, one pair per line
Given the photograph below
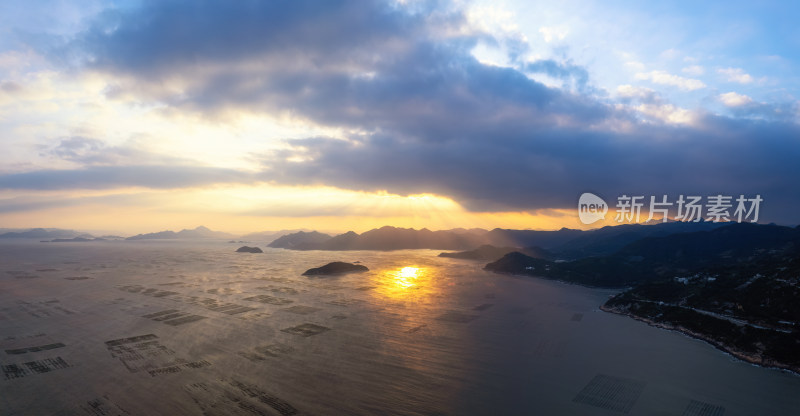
406, 277
407, 283
408, 272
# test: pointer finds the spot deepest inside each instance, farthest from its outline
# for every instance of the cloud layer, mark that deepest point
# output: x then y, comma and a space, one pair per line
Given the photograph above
420, 112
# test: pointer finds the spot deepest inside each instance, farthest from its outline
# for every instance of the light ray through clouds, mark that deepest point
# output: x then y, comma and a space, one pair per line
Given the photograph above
420, 113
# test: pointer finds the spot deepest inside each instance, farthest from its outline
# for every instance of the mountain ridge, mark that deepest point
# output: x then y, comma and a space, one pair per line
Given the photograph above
200, 232
567, 243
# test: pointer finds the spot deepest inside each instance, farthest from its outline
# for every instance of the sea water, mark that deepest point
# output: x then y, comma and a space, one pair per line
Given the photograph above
172, 327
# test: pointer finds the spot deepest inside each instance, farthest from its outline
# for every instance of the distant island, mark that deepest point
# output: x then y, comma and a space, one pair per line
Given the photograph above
336, 267
246, 249
74, 240
300, 240
47, 233
197, 233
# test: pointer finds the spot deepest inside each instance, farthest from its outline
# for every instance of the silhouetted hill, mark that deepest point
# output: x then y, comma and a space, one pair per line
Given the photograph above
197, 233
607, 240
45, 233
564, 243
346, 241
569, 243
531, 238
656, 257
203, 232
488, 252
384, 238
299, 239
267, 235
161, 235
392, 238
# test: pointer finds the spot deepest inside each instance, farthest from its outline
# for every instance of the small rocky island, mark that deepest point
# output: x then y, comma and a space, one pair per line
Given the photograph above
73, 240
336, 267
246, 249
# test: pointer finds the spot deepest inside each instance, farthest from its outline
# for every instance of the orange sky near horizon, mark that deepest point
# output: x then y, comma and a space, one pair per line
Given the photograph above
242, 210
245, 210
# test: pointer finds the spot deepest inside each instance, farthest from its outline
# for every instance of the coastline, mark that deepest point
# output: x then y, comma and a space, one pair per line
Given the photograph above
755, 359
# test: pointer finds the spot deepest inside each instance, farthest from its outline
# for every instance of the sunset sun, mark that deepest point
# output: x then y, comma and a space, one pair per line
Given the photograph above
408, 272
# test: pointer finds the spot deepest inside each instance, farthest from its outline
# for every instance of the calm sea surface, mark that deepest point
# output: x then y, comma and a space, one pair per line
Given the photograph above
167, 327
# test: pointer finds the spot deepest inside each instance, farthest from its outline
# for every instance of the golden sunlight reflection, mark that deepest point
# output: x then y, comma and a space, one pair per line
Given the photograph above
406, 283
406, 278
408, 272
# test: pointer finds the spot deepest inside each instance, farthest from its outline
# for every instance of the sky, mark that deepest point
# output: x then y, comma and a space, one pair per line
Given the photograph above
138, 116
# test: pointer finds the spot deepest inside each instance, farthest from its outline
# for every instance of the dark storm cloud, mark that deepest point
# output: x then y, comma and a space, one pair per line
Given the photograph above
432, 118
553, 167
162, 36
360, 64
109, 177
